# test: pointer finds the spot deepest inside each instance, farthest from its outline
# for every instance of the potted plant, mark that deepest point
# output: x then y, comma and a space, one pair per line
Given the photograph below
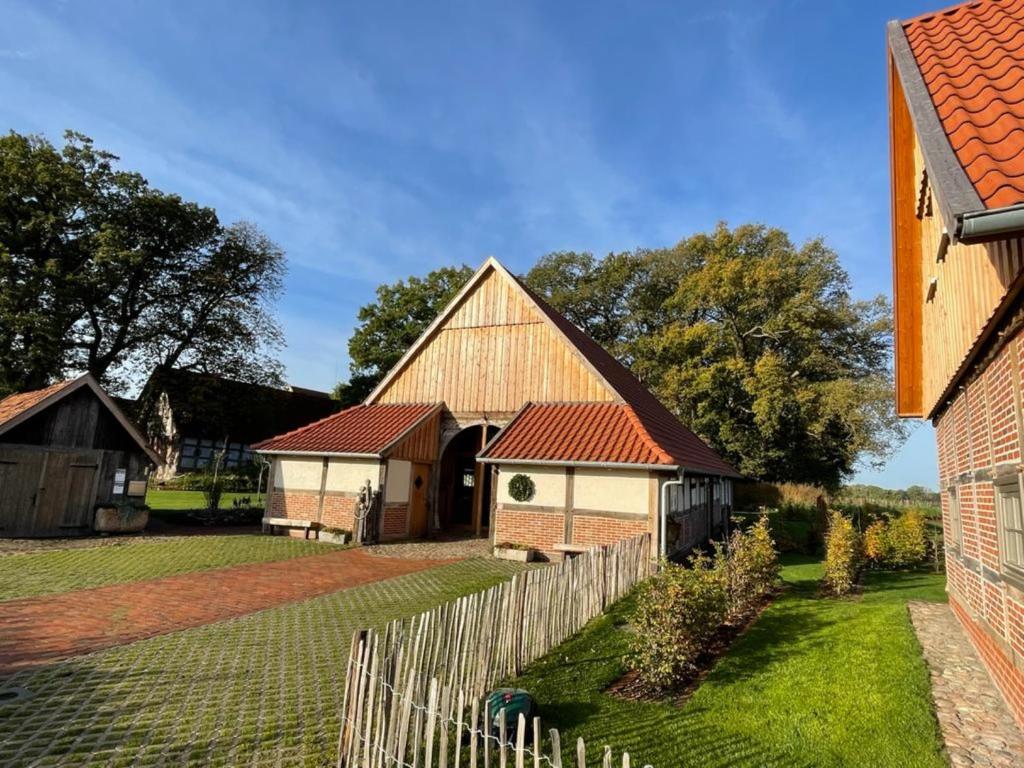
335, 535
126, 517
518, 552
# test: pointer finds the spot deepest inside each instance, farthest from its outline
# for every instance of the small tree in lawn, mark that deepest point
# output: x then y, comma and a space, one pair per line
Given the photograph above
752, 565
843, 553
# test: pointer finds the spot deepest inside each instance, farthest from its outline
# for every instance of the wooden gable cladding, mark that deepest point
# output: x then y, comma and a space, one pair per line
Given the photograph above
946, 296
421, 444
963, 288
491, 354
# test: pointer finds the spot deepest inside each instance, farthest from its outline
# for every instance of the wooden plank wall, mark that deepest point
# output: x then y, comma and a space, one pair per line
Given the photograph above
422, 444
971, 284
494, 354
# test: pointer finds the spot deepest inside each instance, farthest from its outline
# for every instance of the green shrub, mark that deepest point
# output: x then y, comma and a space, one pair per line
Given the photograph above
843, 554
907, 540
752, 567
678, 612
877, 546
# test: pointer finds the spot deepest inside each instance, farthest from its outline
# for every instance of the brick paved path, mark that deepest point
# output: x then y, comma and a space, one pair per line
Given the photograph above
976, 725
41, 630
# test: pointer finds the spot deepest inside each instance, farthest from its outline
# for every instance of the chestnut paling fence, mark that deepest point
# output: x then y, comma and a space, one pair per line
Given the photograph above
414, 693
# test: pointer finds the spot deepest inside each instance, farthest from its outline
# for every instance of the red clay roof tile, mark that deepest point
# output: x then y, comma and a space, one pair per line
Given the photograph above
16, 404
363, 429
605, 433
971, 58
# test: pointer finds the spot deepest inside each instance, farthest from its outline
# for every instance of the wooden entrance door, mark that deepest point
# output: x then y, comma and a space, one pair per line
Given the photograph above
419, 486
46, 492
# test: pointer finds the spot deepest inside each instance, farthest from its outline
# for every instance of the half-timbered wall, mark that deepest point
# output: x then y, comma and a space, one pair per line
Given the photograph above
495, 353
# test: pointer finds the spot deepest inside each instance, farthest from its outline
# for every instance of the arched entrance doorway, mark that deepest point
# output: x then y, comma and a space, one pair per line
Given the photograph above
464, 487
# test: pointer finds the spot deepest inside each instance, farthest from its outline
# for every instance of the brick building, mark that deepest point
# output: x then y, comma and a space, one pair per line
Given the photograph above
956, 98
505, 420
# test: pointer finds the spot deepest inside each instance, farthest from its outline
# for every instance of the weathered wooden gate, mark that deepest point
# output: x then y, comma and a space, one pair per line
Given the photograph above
47, 491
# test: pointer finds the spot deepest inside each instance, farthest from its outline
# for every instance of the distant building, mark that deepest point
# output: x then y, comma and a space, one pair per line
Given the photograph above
956, 120
191, 418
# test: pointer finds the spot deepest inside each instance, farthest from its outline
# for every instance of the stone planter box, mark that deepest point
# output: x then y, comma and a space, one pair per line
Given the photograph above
333, 538
110, 520
518, 555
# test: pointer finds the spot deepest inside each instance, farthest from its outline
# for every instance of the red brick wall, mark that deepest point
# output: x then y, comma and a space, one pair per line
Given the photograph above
543, 529
978, 436
396, 521
591, 529
339, 512
297, 505
540, 530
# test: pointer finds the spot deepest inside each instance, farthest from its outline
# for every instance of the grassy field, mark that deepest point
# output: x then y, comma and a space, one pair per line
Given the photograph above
815, 682
160, 499
261, 690
47, 572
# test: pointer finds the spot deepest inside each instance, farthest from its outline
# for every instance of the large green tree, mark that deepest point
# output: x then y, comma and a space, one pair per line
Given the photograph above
757, 345
100, 272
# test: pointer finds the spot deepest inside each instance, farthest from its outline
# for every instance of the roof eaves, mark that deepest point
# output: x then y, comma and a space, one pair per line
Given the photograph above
954, 191
652, 444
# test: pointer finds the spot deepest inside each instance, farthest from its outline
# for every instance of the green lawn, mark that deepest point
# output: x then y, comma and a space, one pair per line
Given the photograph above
815, 682
160, 499
47, 572
261, 690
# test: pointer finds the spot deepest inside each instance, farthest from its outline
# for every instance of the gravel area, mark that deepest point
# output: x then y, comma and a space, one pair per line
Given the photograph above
435, 549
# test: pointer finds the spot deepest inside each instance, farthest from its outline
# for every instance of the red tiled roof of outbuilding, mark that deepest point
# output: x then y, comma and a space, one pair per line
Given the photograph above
599, 433
363, 429
16, 404
971, 59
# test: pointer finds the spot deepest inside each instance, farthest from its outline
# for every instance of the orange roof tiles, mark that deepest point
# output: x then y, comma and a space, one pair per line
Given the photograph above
971, 58
16, 404
363, 429
598, 433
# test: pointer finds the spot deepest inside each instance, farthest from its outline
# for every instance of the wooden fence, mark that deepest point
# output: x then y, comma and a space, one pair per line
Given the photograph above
414, 693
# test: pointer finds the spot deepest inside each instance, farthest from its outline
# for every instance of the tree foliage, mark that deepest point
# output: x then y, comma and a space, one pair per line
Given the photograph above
100, 272
391, 324
756, 344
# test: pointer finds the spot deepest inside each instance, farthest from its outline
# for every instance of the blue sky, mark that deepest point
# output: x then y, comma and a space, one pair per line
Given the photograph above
377, 140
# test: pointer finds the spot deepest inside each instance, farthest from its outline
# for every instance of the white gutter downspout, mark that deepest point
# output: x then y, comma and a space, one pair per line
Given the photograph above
663, 533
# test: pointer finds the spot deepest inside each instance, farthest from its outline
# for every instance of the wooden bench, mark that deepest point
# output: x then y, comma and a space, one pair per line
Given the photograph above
572, 550
271, 524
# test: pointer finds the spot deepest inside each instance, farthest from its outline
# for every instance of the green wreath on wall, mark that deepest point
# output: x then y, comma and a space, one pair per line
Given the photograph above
521, 488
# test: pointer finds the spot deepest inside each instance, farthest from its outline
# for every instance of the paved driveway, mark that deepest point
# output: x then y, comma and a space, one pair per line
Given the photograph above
41, 630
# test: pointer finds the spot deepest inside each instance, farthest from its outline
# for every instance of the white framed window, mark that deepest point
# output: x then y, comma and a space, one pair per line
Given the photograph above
956, 525
1010, 518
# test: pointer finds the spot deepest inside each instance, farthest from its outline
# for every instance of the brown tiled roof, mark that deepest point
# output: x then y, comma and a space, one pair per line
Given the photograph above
657, 421
971, 59
362, 429
14, 405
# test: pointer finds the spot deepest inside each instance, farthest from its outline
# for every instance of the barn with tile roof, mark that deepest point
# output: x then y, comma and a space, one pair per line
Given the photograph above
956, 104
505, 420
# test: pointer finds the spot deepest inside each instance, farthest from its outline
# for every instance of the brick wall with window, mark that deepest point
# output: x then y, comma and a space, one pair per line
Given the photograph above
979, 438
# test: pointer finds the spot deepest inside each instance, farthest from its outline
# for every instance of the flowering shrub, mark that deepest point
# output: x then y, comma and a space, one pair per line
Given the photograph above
678, 612
752, 568
843, 554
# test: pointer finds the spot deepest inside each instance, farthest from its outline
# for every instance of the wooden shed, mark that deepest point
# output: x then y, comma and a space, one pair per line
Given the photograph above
65, 450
